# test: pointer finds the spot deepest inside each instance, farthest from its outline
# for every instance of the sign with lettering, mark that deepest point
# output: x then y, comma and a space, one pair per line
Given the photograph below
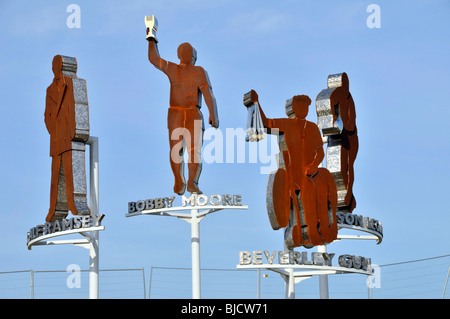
266, 258
62, 225
358, 222
195, 200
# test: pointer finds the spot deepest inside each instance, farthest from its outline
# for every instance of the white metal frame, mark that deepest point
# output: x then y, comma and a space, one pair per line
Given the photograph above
193, 218
91, 235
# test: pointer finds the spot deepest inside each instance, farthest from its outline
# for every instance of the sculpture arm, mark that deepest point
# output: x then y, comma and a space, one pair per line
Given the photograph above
319, 154
350, 124
252, 98
49, 117
155, 59
210, 101
346, 107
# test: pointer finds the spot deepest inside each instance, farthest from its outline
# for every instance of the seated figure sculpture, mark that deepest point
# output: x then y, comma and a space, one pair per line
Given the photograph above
301, 197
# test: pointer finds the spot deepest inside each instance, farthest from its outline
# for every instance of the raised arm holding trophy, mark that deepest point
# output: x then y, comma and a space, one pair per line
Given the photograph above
188, 83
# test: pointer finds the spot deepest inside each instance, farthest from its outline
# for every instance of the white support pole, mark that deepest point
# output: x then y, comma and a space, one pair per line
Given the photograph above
193, 218
195, 247
258, 284
150, 282
94, 206
446, 281
290, 293
323, 279
31, 284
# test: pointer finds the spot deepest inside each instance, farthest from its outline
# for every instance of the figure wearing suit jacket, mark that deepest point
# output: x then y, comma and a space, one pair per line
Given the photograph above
67, 121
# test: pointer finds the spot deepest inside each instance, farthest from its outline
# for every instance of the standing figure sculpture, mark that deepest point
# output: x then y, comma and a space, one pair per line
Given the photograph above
300, 196
337, 120
188, 83
67, 122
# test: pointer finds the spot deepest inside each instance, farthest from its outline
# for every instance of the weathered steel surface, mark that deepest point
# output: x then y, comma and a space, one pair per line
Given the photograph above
188, 84
301, 197
67, 121
337, 119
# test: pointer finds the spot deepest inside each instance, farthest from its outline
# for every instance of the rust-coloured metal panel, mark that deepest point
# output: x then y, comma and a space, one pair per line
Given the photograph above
337, 120
67, 121
300, 196
188, 84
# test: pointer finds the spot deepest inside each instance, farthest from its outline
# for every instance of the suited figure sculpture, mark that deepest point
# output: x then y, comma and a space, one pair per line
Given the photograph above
67, 122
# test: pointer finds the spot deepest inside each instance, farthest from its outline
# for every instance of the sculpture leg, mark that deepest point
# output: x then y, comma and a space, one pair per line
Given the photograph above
349, 151
177, 147
75, 180
326, 205
177, 141
309, 197
193, 135
296, 222
195, 160
79, 178
58, 202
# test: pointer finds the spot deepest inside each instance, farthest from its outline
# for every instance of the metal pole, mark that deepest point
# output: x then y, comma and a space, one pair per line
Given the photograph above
195, 247
323, 279
291, 285
31, 284
150, 282
143, 281
94, 203
258, 284
446, 281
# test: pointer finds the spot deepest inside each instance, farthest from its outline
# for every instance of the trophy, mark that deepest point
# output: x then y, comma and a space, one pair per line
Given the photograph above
152, 25
255, 127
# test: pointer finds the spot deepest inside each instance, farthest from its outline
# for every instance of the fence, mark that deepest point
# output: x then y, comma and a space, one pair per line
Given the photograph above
418, 279
54, 284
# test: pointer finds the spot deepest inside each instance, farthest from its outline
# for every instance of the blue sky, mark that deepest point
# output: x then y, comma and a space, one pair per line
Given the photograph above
398, 78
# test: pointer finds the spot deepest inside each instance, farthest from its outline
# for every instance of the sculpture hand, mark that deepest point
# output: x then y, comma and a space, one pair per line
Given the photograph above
213, 121
250, 98
152, 25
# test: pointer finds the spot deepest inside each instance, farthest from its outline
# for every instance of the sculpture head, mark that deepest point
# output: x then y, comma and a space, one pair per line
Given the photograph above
57, 65
338, 80
187, 54
300, 105
345, 82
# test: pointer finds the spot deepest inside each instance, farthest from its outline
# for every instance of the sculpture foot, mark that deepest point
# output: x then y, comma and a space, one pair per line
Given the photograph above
192, 188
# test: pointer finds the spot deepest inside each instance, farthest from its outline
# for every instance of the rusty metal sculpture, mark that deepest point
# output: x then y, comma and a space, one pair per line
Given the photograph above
67, 122
337, 119
188, 83
301, 196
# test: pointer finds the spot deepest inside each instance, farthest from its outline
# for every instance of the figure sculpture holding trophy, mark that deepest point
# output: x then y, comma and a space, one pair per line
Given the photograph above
301, 196
188, 83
